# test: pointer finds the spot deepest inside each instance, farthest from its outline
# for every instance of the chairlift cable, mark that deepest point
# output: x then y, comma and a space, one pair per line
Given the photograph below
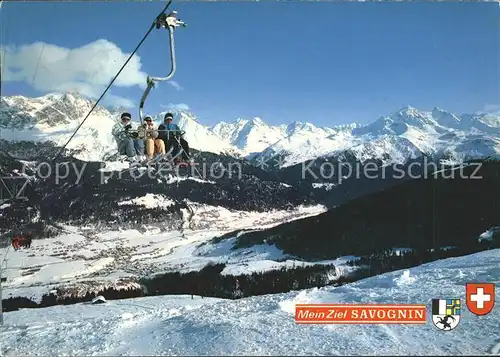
112, 81
2, 51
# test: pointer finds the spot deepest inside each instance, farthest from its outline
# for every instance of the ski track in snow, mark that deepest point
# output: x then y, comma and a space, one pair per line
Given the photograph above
264, 325
77, 256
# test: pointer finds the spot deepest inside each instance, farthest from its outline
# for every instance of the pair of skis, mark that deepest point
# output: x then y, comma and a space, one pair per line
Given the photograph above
163, 158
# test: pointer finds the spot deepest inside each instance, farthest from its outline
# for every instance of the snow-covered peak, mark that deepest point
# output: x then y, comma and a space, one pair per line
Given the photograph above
229, 131
49, 110
411, 116
388, 149
71, 97
485, 122
258, 121
297, 128
293, 126
408, 111
433, 122
185, 119
179, 115
447, 119
304, 141
400, 122
250, 136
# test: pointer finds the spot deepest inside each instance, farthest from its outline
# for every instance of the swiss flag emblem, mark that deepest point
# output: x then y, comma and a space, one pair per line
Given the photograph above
480, 297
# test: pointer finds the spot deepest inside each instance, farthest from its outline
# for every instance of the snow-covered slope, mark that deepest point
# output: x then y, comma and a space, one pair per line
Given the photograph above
298, 138
250, 136
304, 141
265, 325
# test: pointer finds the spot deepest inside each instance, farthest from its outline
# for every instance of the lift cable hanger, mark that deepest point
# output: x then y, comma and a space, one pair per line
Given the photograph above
170, 22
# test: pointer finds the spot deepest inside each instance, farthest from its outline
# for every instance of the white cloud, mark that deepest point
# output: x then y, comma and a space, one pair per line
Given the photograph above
86, 70
175, 85
117, 101
179, 106
490, 108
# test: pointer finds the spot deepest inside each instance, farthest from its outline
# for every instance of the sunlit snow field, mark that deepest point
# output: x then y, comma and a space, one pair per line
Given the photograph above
179, 325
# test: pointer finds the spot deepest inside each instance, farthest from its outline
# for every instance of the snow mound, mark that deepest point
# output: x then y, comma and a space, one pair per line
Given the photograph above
98, 300
150, 201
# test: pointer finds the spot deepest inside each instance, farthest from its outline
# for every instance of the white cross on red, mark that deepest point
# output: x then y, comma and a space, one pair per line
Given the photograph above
480, 297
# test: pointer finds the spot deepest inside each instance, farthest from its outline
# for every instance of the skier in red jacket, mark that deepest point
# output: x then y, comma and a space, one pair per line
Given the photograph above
16, 242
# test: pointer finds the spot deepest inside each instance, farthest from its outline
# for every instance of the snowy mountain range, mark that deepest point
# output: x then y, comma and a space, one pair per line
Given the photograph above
399, 136
53, 118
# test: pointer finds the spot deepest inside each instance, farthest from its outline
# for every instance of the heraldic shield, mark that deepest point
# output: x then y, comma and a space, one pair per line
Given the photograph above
480, 297
446, 313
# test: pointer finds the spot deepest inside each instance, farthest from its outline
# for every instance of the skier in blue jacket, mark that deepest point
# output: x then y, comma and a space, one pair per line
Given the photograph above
171, 134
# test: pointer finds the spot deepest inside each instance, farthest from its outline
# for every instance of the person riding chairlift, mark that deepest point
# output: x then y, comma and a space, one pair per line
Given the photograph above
171, 134
154, 145
127, 139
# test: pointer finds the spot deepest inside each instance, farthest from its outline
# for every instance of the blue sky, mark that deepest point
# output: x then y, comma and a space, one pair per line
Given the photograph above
327, 63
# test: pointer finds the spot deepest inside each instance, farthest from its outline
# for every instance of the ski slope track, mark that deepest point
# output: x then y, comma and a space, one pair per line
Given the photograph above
264, 325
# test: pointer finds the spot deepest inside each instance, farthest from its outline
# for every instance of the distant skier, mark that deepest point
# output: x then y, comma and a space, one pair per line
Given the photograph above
28, 239
15, 242
173, 137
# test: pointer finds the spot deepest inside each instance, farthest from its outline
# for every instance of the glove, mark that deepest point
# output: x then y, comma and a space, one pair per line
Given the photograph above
129, 126
134, 135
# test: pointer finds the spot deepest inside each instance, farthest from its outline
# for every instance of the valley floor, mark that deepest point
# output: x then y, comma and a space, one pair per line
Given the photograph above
179, 325
88, 254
